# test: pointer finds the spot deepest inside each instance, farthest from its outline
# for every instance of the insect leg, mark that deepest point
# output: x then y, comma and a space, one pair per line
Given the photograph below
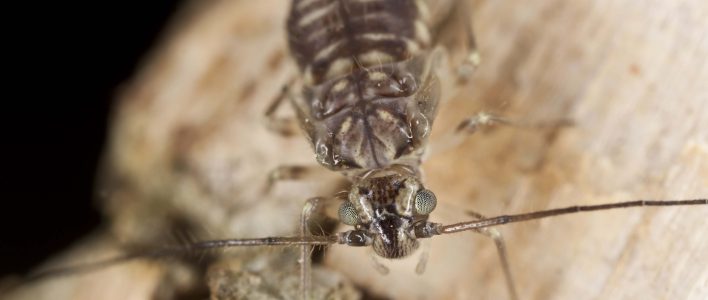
305, 261
481, 119
284, 126
486, 120
381, 268
498, 239
457, 18
293, 172
423, 260
472, 57
465, 129
312, 206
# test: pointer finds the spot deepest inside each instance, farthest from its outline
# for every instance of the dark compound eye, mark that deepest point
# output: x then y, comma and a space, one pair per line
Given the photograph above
425, 202
347, 214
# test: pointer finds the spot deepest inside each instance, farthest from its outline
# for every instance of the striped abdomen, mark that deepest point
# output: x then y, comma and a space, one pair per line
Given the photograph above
330, 38
368, 99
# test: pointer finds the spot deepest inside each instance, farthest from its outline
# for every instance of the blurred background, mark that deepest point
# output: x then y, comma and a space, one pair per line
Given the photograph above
68, 62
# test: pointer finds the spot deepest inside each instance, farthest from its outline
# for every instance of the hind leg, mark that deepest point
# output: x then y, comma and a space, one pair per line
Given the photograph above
313, 206
452, 25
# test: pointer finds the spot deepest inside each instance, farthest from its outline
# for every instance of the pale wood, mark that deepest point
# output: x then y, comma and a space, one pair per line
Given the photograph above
188, 141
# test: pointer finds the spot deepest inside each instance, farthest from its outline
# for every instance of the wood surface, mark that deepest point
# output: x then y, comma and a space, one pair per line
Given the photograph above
189, 148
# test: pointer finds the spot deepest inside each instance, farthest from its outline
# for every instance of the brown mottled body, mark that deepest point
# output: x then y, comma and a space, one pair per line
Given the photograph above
369, 97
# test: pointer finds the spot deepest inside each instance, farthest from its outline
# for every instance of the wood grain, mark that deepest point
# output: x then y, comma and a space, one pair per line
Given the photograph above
188, 146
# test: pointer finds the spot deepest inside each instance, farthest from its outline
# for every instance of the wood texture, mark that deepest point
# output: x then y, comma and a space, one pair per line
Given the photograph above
188, 146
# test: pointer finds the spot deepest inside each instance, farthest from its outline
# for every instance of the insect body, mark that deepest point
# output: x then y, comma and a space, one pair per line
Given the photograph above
368, 103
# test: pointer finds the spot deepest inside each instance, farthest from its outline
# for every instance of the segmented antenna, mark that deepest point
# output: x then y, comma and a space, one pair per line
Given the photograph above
177, 251
434, 229
505, 219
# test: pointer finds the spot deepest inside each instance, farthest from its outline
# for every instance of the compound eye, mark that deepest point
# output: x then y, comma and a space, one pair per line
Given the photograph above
348, 214
425, 202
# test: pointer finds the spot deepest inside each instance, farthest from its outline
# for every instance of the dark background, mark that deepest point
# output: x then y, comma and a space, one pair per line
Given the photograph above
65, 64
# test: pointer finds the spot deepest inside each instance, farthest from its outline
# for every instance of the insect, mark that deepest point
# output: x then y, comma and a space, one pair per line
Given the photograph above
405, 171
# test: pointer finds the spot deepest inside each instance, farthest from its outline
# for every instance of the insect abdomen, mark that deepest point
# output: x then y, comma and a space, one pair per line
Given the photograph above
331, 38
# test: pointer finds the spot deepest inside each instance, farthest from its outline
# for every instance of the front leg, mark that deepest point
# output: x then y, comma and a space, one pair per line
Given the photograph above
498, 239
313, 206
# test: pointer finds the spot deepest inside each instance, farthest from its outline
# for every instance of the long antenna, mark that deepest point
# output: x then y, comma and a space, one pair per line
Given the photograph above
182, 250
341, 238
505, 219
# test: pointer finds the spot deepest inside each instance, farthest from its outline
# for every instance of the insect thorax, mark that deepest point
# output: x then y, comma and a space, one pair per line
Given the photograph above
369, 97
